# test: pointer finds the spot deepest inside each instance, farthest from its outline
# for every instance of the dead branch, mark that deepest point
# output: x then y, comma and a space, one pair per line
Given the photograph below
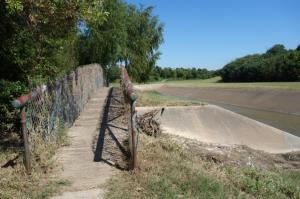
149, 123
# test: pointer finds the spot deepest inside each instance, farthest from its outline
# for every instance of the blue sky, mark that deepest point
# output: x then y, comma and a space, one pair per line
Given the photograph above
212, 33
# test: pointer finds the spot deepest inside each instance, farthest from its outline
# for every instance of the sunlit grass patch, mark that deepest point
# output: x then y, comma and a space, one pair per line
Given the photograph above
153, 98
216, 82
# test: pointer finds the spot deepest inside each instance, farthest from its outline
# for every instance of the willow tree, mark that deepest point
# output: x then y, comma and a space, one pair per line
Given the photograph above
105, 41
129, 34
145, 34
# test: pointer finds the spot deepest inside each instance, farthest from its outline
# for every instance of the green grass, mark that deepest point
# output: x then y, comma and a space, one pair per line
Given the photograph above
215, 82
153, 98
167, 170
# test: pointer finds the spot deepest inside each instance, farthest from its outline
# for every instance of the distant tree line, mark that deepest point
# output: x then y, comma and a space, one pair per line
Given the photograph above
168, 73
182, 73
276, 64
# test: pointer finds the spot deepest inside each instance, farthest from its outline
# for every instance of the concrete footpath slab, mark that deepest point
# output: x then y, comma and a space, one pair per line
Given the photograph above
77, 160
213, 124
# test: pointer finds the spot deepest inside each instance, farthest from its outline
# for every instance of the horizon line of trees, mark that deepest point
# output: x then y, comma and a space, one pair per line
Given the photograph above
182, 73
169, 73
276, 64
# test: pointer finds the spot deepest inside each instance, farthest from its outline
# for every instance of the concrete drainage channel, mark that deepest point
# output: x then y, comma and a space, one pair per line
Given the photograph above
277, 108
213, 124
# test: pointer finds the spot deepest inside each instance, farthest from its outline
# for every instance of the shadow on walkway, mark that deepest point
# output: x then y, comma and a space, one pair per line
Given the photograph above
112, 142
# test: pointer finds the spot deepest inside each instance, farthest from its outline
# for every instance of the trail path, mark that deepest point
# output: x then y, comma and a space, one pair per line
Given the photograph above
82, 161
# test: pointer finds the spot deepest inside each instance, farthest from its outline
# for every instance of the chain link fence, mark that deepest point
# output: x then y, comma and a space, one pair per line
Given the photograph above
57, 104
50, 108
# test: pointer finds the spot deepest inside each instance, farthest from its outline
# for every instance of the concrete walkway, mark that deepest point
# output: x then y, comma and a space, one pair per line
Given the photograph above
77, 160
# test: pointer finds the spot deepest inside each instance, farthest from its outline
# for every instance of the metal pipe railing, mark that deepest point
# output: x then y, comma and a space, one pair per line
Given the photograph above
130, 98
20, 103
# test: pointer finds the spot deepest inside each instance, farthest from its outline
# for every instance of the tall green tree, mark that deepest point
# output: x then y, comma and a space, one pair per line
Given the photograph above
145, 34
104, 42
130, 35
276, 49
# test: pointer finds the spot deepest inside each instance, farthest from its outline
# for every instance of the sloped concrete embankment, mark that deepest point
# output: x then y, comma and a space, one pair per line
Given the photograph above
213, 124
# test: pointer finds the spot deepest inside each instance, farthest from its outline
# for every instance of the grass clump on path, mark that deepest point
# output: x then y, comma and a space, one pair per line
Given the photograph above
153, 98
14, 181
168, 170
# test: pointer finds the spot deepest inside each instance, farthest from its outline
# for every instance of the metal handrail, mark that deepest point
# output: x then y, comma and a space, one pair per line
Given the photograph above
20, 103
130, 103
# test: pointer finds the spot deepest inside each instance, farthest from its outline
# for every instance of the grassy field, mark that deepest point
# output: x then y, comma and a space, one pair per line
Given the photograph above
15, 183
215, 82
153, 98
167, 170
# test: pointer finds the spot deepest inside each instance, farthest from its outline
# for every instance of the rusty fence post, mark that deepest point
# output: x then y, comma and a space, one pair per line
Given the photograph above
26, 141
133, 134
130, 102
20, 103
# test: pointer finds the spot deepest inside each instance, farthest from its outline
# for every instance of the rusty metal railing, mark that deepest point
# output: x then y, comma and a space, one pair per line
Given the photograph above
130, 98
20, 103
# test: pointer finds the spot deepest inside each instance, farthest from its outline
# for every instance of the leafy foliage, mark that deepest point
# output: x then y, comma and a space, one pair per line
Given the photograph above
43, 40
33, 35
182, 73
277, 64
103, 42
130, 35
38, 43
144, 38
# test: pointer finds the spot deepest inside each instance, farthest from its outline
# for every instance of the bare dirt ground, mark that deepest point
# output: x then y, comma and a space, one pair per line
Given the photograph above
278, 100
98, 146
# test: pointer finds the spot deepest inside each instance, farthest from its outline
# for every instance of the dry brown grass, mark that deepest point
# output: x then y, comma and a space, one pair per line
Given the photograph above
168, 170
14, 181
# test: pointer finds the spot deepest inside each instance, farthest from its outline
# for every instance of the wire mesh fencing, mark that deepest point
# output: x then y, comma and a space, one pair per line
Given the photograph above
59, 103
49, 108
